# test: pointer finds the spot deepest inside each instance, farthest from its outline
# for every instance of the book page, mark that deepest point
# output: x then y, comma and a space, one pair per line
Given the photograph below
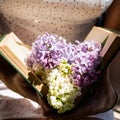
100, 34
15, 52
16, 46
111, 46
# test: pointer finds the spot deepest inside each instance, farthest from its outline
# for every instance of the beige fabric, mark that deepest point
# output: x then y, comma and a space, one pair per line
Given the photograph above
71, 19
14, 106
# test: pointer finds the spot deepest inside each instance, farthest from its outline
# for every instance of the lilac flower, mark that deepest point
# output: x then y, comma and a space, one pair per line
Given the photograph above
64, 64
48, 50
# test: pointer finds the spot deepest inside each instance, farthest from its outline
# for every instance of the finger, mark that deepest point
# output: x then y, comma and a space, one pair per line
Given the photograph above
43, 102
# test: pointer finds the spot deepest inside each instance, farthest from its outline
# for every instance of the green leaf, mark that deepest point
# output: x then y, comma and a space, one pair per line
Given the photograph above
103, 43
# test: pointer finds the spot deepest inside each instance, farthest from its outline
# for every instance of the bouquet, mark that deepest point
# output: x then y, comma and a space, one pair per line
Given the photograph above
64, 68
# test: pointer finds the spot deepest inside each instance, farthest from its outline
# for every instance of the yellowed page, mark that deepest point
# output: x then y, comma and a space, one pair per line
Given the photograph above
100, 34
16, 46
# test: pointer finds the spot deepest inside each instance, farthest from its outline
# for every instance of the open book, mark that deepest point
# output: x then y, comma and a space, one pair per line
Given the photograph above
15, 51
112, 44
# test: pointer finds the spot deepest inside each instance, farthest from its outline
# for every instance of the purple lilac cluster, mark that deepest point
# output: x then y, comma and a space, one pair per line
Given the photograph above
48, 51
86, 62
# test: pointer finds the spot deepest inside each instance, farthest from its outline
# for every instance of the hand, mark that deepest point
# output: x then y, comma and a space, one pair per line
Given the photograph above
15, 81
102, 99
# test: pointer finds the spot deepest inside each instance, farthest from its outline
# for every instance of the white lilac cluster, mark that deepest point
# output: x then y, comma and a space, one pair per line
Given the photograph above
62, 91
64, 67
